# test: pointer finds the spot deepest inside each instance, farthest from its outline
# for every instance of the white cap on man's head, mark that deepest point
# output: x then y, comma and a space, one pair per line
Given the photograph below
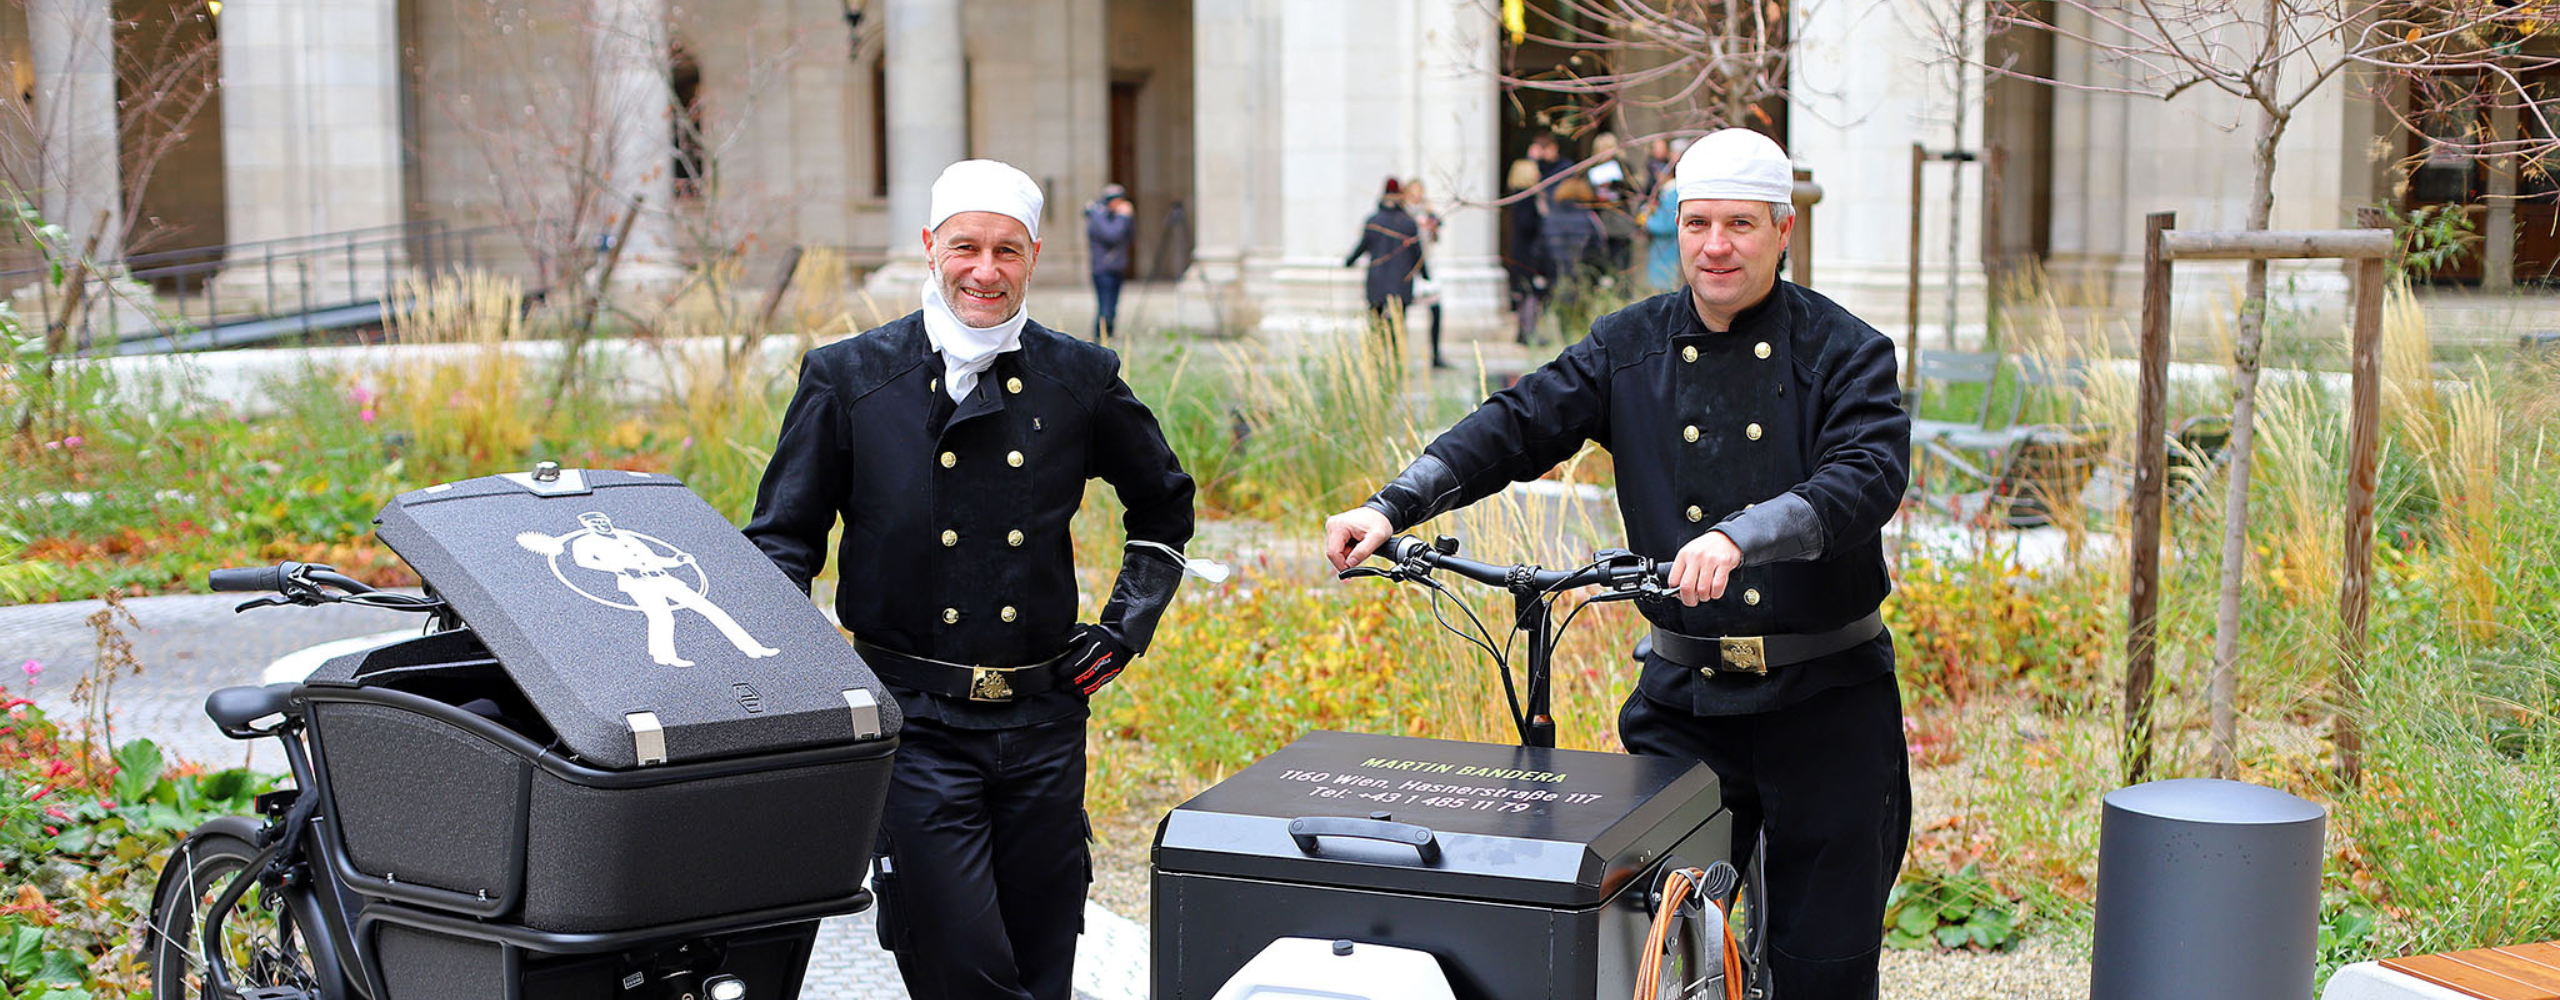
986, 186
1735, 164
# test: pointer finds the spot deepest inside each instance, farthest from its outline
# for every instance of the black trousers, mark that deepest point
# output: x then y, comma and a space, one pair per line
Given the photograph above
1827, 780
983, 884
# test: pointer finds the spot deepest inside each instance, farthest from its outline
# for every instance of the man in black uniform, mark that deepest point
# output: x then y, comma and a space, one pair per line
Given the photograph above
1758, 434
955, 444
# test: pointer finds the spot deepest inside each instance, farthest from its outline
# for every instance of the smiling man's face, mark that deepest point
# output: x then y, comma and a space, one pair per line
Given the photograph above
982, 261
1731, 251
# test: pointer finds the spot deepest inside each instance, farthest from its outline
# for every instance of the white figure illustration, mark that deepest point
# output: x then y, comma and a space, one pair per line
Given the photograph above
644, 570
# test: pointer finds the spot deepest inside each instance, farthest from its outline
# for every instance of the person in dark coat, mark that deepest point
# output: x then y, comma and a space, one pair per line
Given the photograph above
1392, 241
1761, 445
1108, 224
1523, 262
954, 445
1570, 244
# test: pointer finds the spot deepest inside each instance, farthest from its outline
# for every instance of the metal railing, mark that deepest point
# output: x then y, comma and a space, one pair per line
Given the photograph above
239, 293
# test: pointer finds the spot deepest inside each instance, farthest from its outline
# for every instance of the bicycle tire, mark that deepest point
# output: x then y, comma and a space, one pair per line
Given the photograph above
272, 948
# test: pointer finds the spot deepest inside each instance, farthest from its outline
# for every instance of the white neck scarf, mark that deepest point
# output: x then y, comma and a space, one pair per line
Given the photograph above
966, 350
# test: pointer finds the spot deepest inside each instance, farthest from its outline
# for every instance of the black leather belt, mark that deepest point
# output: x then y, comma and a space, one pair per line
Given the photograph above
1755, 654
962, 680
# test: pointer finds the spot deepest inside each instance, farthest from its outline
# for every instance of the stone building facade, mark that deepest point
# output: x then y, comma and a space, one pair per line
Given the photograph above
1271, 122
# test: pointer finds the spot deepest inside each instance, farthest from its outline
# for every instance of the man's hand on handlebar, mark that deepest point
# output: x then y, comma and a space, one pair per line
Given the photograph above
1353, 535
1703, 567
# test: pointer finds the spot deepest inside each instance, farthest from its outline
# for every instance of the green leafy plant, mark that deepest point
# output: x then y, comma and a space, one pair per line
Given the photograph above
2431, 238
1964, 910
83, 831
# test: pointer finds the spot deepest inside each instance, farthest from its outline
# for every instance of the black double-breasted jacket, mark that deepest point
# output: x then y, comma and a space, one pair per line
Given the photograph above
955, 514
1786, 432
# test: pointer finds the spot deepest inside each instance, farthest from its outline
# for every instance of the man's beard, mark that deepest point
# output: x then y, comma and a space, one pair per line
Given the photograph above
959, 301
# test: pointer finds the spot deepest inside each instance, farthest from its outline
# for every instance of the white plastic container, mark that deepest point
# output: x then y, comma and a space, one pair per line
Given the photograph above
1318, 969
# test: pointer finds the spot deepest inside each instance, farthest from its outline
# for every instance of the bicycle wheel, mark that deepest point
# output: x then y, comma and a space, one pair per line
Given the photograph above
263, 941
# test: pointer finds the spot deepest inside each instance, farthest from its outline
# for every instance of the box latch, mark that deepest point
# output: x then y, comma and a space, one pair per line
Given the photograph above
866, 712
648, 738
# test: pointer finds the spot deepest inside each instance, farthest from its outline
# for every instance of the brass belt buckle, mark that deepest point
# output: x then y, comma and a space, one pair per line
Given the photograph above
1748, 654
989, 684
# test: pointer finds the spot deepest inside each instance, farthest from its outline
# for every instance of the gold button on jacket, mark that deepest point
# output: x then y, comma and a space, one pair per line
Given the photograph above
1690, 433
1015, 384
1006, 614
950, 538
1760, 350
1696, 515
1752, 432
1013, 538
951, 616
1013, 458
949, 460
1688, 354
1751, 596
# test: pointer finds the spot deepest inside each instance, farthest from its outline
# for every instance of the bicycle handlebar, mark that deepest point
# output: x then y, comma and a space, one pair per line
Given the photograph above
309, 585
246, 580
1610, 568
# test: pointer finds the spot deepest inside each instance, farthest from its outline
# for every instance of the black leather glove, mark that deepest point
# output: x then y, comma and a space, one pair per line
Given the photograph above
1099, 658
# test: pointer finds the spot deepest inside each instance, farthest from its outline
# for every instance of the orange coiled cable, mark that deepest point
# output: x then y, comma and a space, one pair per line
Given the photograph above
1677, 887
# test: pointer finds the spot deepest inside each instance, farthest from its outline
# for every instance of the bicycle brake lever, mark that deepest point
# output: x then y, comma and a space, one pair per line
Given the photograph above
260, 602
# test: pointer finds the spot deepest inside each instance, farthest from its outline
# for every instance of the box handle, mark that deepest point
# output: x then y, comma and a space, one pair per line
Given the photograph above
1305, 830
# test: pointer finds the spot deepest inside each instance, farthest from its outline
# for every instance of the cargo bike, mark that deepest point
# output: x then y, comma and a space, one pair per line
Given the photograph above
626, 758
1353, 866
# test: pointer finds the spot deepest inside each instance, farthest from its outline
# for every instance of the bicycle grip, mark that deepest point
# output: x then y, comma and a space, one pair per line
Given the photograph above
246, 579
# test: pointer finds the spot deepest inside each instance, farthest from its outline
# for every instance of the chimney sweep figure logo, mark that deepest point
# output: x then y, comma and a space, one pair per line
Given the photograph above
645, 571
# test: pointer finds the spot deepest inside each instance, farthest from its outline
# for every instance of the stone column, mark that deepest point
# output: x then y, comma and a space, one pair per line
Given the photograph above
1346, 110
1873, 83
2093, 138
1458, 139
632, 114
928, 100
1228, 106
74, 49
312, 146
2498, 236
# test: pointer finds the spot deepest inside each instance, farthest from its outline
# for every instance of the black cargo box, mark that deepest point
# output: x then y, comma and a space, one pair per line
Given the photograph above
538, 783
1524, 870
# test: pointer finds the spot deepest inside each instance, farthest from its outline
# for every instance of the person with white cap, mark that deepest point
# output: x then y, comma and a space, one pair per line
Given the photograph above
954, 444
1761, 446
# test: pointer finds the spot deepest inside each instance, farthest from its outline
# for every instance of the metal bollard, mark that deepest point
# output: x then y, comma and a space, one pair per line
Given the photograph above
2207, 889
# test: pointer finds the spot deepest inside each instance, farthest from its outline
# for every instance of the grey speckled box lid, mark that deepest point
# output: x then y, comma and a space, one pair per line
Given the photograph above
610, 594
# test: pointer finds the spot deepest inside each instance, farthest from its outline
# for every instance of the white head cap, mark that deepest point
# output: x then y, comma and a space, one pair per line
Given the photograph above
986, 186
1735, 164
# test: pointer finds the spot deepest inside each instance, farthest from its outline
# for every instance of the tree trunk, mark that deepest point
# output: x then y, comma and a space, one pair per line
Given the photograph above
2244, 414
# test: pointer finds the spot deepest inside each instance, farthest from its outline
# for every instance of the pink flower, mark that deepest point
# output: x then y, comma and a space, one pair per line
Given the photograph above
361, 395
71, 442
33, 668
687, 445
365, 414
